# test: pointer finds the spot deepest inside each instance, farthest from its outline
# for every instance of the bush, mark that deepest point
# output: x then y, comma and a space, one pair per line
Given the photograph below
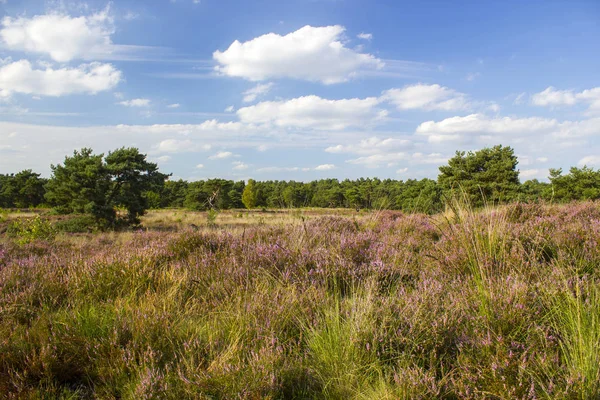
78, 224
211, 217
27, 230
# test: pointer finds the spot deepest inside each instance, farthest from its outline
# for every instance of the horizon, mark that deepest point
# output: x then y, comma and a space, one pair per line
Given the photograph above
306, 90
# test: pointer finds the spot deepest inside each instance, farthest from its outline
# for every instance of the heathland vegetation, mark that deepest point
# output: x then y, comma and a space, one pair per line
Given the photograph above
450, 298
499, 303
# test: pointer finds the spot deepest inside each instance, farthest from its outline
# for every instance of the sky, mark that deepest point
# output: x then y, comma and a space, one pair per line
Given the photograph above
300, 89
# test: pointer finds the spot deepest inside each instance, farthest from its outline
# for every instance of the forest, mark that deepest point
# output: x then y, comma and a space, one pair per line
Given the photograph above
89, 183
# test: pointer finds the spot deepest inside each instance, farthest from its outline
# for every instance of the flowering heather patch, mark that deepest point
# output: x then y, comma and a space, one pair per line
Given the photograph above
498, 304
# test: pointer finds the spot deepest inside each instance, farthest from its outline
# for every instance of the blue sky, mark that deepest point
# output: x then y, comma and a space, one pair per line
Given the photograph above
300, 89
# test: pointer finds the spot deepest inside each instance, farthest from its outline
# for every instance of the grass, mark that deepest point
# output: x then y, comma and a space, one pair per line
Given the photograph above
501, 303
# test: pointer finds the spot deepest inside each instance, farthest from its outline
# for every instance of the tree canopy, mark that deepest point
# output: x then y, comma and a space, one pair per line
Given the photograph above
98, 185
489, 175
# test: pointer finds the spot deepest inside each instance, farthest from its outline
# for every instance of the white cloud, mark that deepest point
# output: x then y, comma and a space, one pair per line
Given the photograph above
377, 160
314, 112
589, 161
529, 174
135, 103
432, 158
542, 159
426, 97
365, 36
230, 109
278, 169
179, 146
174, 105
259, 90
206, 128
310, 53
460, 128
494, 107
370, 146
401, 170
20, 77
240, 166
591, 97
200, 166
62, 37
553, 97
163, 159
221, 155
325, 167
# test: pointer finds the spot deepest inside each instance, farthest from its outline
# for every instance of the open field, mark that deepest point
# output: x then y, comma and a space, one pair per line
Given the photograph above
498, 304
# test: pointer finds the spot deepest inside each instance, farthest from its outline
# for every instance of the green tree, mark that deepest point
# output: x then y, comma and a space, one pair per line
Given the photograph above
131, 176
489, 174
24, 189
80, 185
87, 183
578, 184
249, 194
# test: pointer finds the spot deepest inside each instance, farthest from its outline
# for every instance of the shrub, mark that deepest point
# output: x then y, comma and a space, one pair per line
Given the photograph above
79, 224
27, 230
211, 217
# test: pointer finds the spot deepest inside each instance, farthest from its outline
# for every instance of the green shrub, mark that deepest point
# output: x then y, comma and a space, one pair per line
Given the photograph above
211, 216
79, 224
27, 230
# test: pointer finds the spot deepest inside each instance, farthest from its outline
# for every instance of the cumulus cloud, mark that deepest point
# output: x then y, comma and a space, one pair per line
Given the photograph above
135, 103
325, 167
591, 97
221, 155
365, 36
379, 159
179, 146
174, 105
259, 90
431, 158
459, 128
64, 38
314, 112
589, 161
279, 169
426, 97
21, 77
310, 53
554, 98
59, 36
532, 173
240, 166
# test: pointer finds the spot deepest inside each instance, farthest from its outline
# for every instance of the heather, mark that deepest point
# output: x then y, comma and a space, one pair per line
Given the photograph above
496, 303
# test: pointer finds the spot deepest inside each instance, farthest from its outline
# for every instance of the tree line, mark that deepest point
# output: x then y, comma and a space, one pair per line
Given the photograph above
119, 187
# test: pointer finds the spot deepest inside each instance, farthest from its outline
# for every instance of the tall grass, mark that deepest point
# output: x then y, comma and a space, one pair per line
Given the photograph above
484, 237
574, 312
